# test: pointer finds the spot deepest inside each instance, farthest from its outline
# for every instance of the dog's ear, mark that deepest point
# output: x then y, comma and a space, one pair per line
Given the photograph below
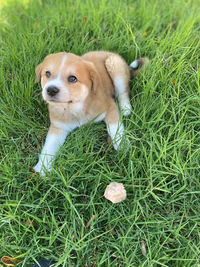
38, 71
94, 76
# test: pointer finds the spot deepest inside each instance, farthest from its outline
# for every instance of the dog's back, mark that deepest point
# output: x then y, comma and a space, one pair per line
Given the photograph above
98, 58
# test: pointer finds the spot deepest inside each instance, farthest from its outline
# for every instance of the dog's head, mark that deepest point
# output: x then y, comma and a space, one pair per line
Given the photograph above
66, 78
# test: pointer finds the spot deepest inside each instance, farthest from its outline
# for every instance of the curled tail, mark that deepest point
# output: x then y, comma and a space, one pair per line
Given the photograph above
138, 66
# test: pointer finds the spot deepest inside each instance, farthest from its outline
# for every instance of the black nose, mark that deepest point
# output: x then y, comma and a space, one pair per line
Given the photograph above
52, 90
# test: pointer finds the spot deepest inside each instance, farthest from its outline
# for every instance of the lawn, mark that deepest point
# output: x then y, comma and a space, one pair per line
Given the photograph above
46, 217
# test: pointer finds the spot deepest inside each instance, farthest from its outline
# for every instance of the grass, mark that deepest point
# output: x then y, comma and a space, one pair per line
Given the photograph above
47, 217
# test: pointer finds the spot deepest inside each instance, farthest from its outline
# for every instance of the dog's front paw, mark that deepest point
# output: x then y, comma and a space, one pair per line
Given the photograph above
117, 134
121, 143
126, 109
41, 169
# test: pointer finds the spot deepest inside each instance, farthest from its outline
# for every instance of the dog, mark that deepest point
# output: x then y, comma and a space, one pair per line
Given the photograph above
80, 89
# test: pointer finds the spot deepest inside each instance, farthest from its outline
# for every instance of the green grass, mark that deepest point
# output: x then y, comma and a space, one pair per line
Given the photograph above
161, 170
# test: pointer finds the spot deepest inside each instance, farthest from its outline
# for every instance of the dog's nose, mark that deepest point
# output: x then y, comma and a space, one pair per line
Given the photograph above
52, 90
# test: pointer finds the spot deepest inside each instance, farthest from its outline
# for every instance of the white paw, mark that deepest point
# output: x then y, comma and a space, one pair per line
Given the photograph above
125, 106
121, 144
126, 109
41, 169
117, 135
116, 145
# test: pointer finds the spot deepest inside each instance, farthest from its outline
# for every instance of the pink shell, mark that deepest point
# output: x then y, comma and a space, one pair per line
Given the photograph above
115, 192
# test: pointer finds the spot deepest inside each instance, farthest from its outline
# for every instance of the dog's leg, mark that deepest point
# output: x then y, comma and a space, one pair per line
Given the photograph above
55, 138
120, 74
121, 87
115, 127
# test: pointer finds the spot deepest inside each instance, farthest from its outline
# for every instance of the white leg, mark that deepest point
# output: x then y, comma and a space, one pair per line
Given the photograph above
51, 147
116, 132
122, 92
114, 127
120, 74
54, 140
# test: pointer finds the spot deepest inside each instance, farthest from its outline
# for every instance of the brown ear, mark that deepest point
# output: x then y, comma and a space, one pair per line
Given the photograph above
38, 71
94, 76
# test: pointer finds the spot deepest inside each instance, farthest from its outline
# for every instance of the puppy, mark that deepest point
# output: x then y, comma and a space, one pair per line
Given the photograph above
79, 89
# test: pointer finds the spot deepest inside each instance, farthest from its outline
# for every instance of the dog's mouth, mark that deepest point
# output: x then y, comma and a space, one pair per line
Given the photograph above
59, 102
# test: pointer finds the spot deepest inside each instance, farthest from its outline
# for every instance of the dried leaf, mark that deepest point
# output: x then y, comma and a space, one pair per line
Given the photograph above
93, 41
109, 140
145, 34
29, 178
173, 81
8, 261
10, 76
144, 251
30, 223
36, 24
32, 170
111, 230
171, 24
90, 221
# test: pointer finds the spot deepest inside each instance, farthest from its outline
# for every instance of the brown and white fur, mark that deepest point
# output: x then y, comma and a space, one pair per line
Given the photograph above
79, 89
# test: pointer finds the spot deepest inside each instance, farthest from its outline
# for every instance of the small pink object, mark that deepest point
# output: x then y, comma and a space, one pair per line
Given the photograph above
115, 192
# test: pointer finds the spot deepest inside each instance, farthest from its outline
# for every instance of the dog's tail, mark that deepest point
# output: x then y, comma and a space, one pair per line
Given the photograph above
138, 66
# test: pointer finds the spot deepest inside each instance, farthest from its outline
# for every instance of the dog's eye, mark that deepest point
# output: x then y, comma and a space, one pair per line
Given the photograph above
72, 79
48, 74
